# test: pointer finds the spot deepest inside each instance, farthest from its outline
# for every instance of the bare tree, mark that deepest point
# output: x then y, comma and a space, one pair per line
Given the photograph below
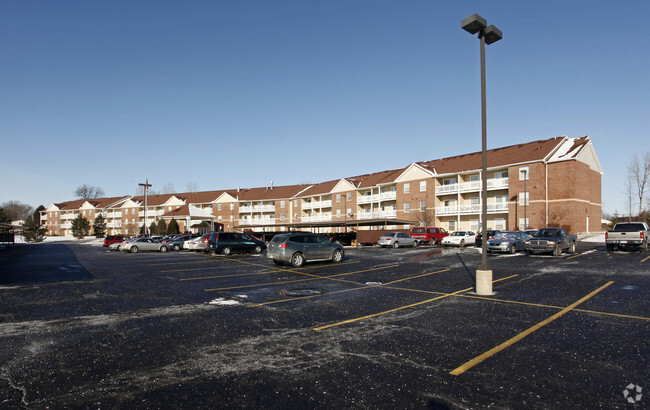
638, 171
86, 191
15, 210
426, 217
139, 191
192, 187
168, 188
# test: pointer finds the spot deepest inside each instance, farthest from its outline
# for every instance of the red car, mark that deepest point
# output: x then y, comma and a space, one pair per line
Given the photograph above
113, 239
428, 234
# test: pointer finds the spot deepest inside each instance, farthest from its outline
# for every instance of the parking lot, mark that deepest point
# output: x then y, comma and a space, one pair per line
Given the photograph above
385, 328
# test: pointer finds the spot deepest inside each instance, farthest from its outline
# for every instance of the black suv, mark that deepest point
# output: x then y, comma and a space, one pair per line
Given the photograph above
227, 242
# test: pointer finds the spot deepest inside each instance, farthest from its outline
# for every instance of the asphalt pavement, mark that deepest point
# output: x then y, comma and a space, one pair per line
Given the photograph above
83, 327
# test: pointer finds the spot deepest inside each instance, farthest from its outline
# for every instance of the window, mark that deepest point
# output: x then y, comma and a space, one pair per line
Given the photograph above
473, 224
295, 202
338, 197
474, 178
232, 206
523, 223
407, 188
423, 206
499, 224
523, 198
232, 218
502, 174
349, 196
450, 202
423, 186
282, 217
219, 218
338, 213
448, 181
474, 200
282, 204
524, 173
295, 216
349, 212
501, 199
218, 207
407, 207
451, 225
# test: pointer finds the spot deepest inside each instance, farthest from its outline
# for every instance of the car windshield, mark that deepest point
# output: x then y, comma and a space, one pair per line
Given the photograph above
548, 232
458, 233
389, 234
418, 230
506, 235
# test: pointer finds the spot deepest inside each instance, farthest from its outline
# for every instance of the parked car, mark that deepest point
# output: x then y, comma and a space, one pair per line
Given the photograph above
628, 234
113, 239
530, 232
551, 240
343, 238
459, 238
478, 241
227, 242
187, 243
143, 244
428, 234
177, 242
509, 242
300, 247
194, 243
397, 239
116, 246
157, 238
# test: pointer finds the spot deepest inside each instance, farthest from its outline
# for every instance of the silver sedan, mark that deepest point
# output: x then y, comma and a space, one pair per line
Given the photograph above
397, 239
143, 244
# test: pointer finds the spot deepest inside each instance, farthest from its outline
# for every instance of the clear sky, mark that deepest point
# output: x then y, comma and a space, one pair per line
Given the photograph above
243, 92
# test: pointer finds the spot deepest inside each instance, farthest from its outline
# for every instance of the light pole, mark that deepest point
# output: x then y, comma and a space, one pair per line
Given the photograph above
488, 35
525, 199
146, 186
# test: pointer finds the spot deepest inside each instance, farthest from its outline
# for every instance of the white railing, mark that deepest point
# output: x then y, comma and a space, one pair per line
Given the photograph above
384, 196
258, 221
493, 183
377, 215
151, 213
388, 196
114, 224
257, 208
319, 218
470, 209
317, 204
66, 225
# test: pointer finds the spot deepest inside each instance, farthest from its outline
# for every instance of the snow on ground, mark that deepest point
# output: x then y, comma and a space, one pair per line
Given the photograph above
593, 237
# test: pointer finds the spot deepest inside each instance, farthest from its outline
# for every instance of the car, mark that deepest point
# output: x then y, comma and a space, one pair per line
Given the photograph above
531, 232
478, 240
397, 239
110, 239
116, 246
143, 244
506, 241
459, 238
428, 234
300, 247
190, 242
226, 243
177, 242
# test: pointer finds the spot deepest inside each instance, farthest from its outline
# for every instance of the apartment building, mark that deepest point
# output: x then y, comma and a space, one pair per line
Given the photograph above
553, 182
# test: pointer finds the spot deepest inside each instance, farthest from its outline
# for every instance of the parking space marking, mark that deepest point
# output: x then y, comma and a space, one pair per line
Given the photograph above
463, 368
310, 278
575, 256
645, 259
363, 286
222, 276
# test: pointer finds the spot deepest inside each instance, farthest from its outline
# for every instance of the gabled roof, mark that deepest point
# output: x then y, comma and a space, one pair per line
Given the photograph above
188, 210
377, 178
270, 193
514, 154
320, 189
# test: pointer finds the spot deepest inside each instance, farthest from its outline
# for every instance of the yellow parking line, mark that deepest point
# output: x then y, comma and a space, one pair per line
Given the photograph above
222, 276
391, 310
462, 369
645, 259
575, 256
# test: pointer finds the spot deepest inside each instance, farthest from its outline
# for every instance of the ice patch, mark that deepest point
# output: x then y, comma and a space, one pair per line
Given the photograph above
373, 283
224, 302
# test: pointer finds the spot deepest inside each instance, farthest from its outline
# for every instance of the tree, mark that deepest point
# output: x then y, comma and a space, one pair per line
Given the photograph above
80, 227
99, 226
192, 187
638, 171
426, 217
86, 191
3, 216
172, 228
153, 229
34, 231
15, 210
161, 227
168, 188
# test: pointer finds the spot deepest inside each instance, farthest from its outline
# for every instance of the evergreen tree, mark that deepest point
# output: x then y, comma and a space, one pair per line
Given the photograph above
80, 227
173, 227
99, 227
162, 227
3, 216
34, 231
153, 229
142, 229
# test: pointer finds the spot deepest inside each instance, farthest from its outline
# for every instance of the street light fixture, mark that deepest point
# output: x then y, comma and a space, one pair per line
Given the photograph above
487, 34
146, 186
525, 172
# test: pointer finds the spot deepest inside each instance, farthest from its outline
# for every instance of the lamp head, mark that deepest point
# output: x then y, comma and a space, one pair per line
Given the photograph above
492, 34
473, 24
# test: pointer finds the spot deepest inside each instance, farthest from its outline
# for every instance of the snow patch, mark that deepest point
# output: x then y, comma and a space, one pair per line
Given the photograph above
224, 302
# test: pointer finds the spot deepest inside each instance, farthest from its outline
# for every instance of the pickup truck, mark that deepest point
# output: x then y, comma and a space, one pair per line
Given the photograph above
551, 240
627, 234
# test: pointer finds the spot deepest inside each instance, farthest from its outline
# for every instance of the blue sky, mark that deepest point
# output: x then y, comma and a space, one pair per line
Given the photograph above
242, 93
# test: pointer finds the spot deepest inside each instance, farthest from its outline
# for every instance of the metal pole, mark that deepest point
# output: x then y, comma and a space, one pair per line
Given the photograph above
525, 201
484, 157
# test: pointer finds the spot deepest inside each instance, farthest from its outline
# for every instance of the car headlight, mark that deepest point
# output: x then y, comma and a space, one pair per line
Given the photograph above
551, 243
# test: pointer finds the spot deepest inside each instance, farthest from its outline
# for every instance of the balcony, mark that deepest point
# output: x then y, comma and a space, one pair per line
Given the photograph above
317, 204
376, 198
472, 186
257, 208
257, 221
378, 215
319, 218
471, 209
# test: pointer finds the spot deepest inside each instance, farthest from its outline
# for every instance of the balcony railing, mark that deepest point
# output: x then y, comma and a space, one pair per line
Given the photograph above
319, 218
378, 215
384, 196
258, 221
317, 204
470, 209
257, 208
493, 183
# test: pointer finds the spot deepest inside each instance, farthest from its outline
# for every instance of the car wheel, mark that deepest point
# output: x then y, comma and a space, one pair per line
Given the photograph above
277, 262
163, 248
226, 250
572, 248
395, 245
644, 246
513, 248
134, 249
416, 244
297, 260
118, 247
177, 247
337, 256
557, 251
610, 248
529, 253
433, 242
258, 249
462, 243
